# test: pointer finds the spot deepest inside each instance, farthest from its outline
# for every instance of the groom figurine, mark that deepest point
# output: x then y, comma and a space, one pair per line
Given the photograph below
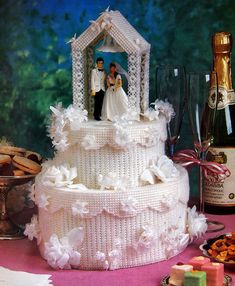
98, 87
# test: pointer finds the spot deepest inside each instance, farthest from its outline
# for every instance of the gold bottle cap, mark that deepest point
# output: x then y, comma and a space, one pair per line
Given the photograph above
222, 42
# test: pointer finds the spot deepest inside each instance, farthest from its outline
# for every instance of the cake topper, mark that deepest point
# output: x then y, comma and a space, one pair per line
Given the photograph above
111, 24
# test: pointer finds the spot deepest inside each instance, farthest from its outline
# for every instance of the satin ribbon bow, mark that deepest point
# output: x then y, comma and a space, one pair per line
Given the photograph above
189, 158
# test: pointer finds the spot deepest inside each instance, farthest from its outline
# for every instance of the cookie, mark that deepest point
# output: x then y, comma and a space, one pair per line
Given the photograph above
12, 151
18, 172
26, 165
34, 156
5, 159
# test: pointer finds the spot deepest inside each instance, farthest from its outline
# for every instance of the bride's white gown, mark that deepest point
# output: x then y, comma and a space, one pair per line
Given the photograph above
115, 100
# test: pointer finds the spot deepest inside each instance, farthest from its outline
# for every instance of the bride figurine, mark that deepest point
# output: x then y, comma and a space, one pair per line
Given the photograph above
115, 99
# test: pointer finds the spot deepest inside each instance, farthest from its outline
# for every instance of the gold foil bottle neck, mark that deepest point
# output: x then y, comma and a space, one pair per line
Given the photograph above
222, 46
222, 42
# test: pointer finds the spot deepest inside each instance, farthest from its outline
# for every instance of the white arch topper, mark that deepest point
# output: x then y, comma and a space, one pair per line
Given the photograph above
136, 47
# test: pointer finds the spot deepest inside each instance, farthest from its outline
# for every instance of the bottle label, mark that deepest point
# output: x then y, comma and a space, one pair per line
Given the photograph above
225, 98
221, 193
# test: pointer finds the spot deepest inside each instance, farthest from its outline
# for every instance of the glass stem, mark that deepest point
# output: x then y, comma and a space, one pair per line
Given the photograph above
201, 184
201, 200
172, 149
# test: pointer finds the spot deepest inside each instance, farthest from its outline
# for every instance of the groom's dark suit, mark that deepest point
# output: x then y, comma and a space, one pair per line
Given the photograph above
98, 87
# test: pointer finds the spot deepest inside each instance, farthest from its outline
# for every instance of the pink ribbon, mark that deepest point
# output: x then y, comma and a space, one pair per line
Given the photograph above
189, 158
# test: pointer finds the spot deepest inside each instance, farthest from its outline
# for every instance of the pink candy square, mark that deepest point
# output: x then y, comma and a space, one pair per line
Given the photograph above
198, 261
214, 273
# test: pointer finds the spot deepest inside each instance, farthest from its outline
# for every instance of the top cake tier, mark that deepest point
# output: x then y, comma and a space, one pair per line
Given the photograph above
130, 148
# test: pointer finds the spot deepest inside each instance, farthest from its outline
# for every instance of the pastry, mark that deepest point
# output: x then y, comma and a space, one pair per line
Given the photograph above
214, 273
12, 151
26, 165
15, 161
5, 159
195, 278
177, 274
33, 156
198, 261
18, 172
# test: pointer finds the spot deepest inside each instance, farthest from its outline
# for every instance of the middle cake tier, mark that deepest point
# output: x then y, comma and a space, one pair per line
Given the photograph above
101, 148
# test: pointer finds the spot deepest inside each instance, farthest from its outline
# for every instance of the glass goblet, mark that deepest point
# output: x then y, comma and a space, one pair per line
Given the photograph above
202, 120
171, 86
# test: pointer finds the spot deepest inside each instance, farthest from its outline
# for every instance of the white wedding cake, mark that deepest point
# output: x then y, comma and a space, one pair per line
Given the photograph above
110, 198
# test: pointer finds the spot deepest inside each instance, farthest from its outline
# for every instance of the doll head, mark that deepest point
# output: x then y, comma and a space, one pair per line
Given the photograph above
100, 63
112, 68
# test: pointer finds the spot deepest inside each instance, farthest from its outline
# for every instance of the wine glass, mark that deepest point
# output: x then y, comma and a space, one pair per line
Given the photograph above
202, 119
171, 86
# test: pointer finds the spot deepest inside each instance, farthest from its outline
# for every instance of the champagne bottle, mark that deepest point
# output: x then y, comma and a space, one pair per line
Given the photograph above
219, 197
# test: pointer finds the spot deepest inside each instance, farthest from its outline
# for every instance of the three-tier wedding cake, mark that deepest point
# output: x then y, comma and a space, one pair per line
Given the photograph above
110, 198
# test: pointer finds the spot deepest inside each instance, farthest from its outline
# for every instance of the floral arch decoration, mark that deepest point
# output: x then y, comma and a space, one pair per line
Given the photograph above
114, 24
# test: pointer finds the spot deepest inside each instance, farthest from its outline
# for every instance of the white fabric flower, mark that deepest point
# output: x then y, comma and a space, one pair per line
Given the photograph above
58, 176
126, 118
197, 224
42, 200
89, 142
112, 182
62, 253
174, 241
131, 115
80, 208
128, 206
152, 136
60, 144
164, 169
148, 176
75, 117
164, 108
151, 114
32, 229
114, 259
147, 239
61, 119
79, 187
114, 256
100, 256
168, 203
56, 129
122, 137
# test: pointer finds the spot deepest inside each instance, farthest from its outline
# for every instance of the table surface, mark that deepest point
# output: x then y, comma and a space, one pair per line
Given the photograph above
23, 255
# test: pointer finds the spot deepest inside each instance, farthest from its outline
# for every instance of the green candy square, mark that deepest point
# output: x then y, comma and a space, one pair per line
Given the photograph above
195, 278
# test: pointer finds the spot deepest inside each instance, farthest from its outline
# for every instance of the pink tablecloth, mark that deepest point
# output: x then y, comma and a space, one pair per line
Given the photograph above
23, 255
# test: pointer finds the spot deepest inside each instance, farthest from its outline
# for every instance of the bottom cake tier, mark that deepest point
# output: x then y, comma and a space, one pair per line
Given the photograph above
94, 229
